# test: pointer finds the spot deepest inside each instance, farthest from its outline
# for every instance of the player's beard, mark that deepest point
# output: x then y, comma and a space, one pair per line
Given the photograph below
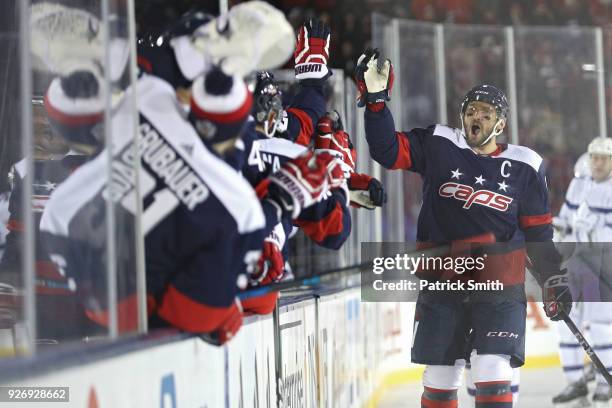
476, 134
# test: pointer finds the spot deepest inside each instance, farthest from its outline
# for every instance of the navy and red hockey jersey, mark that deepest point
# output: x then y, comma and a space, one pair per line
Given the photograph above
466, 194
203, 223
328, 222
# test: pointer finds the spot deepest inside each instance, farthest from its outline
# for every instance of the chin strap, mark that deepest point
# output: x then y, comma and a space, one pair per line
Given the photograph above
494, 132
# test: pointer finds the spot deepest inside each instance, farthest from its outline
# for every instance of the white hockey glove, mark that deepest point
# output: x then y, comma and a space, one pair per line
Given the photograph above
374, 83
251, 36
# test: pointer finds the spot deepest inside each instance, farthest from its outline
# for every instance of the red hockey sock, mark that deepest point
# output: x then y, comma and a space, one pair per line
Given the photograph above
493, 394
437, 398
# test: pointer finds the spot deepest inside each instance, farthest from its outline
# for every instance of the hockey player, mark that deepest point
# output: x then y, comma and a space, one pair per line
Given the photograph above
52, 164
197, 211
585, 220
472, 185
279, 134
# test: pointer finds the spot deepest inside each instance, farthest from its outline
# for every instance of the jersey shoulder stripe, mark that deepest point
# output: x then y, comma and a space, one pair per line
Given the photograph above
70, 196
453, 135
232, 190
522, 154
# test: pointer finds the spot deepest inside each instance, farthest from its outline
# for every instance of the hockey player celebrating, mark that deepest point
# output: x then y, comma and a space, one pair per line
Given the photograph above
472, 185
585, 220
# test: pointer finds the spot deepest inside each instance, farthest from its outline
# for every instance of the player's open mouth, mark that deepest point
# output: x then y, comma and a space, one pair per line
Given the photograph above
475, 130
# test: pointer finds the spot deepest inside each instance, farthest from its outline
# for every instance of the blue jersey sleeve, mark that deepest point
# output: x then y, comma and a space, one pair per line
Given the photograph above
328, 222
393, 149
304, 113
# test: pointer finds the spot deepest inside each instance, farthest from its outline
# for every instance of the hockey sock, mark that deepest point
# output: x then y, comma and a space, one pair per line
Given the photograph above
493, 394
601, 333
572, 357
514, 386
437, 398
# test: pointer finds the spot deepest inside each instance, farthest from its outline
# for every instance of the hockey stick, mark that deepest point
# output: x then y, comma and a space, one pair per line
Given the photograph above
331, 275
587, 347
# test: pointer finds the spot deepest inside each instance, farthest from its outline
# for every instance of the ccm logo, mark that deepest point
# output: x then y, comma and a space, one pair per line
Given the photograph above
483, 197
502, 334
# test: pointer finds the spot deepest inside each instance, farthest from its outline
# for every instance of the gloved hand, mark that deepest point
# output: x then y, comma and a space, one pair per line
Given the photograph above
329, 123
251, 36
312, 51
335, 141
374, 83
366, 191
300, 182
583, 226
556, 296
271, 264
228, 328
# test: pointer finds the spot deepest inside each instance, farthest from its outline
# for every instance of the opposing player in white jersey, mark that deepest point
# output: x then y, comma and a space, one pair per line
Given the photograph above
585, 224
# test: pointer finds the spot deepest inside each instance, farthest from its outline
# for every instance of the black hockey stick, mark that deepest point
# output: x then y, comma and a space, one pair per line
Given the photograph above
332, 275
587, 347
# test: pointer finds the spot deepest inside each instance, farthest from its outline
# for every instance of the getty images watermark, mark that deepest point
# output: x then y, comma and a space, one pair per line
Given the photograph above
399, 273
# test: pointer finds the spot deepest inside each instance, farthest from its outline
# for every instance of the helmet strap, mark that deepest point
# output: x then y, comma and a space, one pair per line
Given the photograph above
494, 132
267, 125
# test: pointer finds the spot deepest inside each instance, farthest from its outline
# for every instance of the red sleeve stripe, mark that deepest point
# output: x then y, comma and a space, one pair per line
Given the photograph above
306, 126
528, 221
330, 225
403, 160
189, 315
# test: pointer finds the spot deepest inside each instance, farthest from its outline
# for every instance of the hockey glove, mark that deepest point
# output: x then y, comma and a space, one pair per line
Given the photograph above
312, 51
329, 123
556, 296
228, 328
270, 266
252, 36
373, 83
300, 182
366, 191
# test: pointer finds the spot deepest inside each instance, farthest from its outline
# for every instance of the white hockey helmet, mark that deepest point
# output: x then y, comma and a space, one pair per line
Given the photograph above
600, 145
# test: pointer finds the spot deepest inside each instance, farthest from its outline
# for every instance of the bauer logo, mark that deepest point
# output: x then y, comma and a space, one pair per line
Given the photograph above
470, 196
305, 68
502, 334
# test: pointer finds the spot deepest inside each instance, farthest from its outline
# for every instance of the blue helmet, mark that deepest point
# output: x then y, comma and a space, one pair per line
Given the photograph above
488, 94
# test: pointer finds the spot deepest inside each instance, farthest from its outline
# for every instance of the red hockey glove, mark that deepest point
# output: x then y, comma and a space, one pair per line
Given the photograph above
312, 51
329, 123
373, 83
366, 191
557, 296
336, 173
271, 264
333, 140
300, 182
